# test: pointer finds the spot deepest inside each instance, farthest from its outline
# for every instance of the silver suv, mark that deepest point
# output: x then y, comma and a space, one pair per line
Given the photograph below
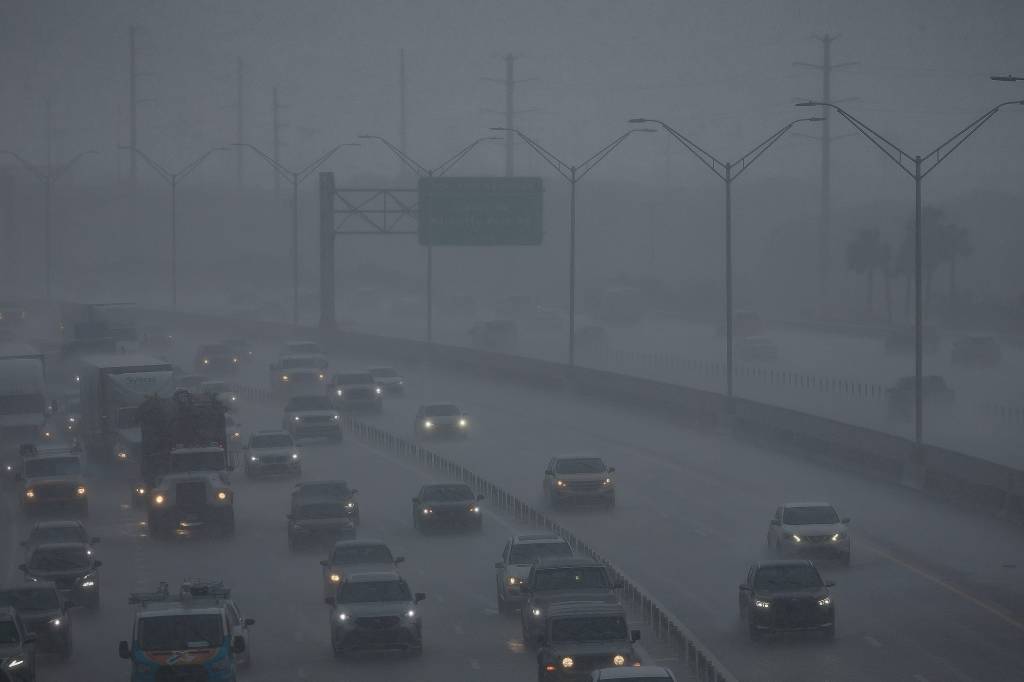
375, 612
809, 529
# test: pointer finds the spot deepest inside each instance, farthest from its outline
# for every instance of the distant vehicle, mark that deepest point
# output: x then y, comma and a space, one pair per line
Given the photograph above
301, 348
809, 529
44, 613
756, 349
388, 379
298, 373
375, 612
271, 452
234, 428
744, 323
71, 566
221, 391
17, 647
325, 515
12, 316
54, 479
636, 673
786, 596
59, 532
351, 557
902, 339
580, 637
312, 416
446, 504
562, 579
440, 419
202, 625
215, 359
24, 407
495, 335
241, 348
579, 479
519, 554
353, 391
935, 393
976, 351
71, 412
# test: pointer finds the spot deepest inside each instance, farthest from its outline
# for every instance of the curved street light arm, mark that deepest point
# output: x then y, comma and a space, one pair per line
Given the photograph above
939, 154
187, 170
560, 166
30, 167
411, 163
314, 165
65, 168
281, 170
704, 156
447, 165
745, 161
160, 170
887, 147
592, 162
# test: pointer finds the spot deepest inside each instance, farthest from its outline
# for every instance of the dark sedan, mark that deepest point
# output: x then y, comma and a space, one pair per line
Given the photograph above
786, 596
43, 612
446, 504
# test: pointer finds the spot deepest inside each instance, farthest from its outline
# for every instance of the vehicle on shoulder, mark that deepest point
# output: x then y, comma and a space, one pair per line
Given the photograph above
581, 637
314, 518
271, 452
52, 478
976, 351
446, 505
809, 529
298, 374
44, 612
520, 553
199, 633
437, 420
215, 358
786, 596
935, 393
355, 391
903, 340
636, 673
562, 579
501, 336
375, 612
388, 379
57, 532
575, 480
70, 566
312, 416
756, 349
351, 557
17, 648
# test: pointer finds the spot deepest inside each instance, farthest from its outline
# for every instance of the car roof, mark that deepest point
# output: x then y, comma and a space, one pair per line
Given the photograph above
58, 524
566, 562
790, 505
312, 484
61, 545
634, 672
537, 538
769, 563
569, 458
173, 608
373, 576
585, 608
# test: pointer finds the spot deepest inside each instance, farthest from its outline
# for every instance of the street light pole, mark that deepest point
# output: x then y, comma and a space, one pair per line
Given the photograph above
573, 174
727, 172
295, 178
50, 176
917, 167
422, 171
172, 180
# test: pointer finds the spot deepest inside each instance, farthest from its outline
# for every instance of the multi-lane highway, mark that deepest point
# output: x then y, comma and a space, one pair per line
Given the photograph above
914, 605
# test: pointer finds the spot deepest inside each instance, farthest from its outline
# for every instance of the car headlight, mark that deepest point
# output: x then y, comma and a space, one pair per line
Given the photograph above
825, 601
15, 662
762, 604
88, 580
56, 622
463, 423
140, 491
838, 536
158, 499
337, 416
350, 505
206, 361
254, 458
607, 481
222, 495
297, 418
427, 511
410, 613
560, 484
619, 659
512, 580
340, 392
342, 617
567, 662
71, 420
295, 455
536, 613
427, 424
795, 538
378, 390
81, 490
336, 578
474, 509
122, 454
30, 493
234, 360
321, 375
237, 435
47, 434
234, 397
284, 377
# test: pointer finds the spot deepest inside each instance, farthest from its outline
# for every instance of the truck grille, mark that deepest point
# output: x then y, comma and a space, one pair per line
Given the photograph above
377, 622
181, 673
55, 491
191, 495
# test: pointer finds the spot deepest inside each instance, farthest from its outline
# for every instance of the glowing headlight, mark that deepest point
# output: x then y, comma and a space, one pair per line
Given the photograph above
837, 537
796, 538
71, 420
47, 434
222, 495
15, 662
81, 490
560, 484
825, 601
295, 455
427, 510
206, 361
158, 499
411, 613
427, 424
379, 391
619, 659
321, 375
234, 360
342, 617
463, 423
337, 416
335, 577
236, 435
475, 509
88, 583
284, 377
77, 379
762, 604
254, 458
567, 662
512, 580
536, 613
56, 622
234, 397
122, 455
30, 493
607, 481
140, 490
340, 392
297, 418
350, 505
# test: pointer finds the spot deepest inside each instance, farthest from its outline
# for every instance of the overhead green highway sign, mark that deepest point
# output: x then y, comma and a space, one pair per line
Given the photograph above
480, 211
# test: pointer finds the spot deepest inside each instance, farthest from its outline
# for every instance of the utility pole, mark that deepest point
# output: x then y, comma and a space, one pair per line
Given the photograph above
239, 124
48, 133
277, 144
510, 87
133, 100
402, 123
825, 198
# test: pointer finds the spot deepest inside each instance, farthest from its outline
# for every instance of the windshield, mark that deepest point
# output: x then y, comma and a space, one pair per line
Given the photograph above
272, 440
59, 559
301, 363
384, 372
446, 493
786, 577
305, 348
30, 599
361, 554
174, 633
352, 379
44, 536
322, 510
53, 466
583, 465
589, 629
441, 411
800, 516
199, 460
8, 632
575, 578
384, 590
31, 403
309, 402
527, 553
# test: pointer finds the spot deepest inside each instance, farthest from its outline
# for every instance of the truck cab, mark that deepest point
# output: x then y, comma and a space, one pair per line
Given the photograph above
53, 478
194, 493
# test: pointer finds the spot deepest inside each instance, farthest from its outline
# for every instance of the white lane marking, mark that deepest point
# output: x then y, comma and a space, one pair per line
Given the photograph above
872, 641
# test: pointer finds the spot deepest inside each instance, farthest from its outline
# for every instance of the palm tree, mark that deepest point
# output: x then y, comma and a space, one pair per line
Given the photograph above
864, 257
955, 245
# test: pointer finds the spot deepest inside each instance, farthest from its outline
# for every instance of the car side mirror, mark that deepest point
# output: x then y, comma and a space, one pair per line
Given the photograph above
479, 497
634, 636
122, 649
611, 470
330, 601
399, 559
94, 541
499, 565
250, 621
419, 596
845, 521
238, 644
775, 522
323, 562
30, 638
830, 583
97, 564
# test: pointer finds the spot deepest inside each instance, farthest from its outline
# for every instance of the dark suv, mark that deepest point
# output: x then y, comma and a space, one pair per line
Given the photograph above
356, 391
786, 596
17, 648
562, 579
44, 613
581, 637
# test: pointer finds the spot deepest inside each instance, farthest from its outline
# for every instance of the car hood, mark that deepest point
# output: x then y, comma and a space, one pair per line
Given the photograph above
446, 419
271, 452
391, 608
592, 648
453, 504
56, 575
521, 571
815, 529
346, 387
572, 478
311, 413
49, 480
347, 569
299, 370
816, 593
333, 522
388, 381
553, 596
33, 617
